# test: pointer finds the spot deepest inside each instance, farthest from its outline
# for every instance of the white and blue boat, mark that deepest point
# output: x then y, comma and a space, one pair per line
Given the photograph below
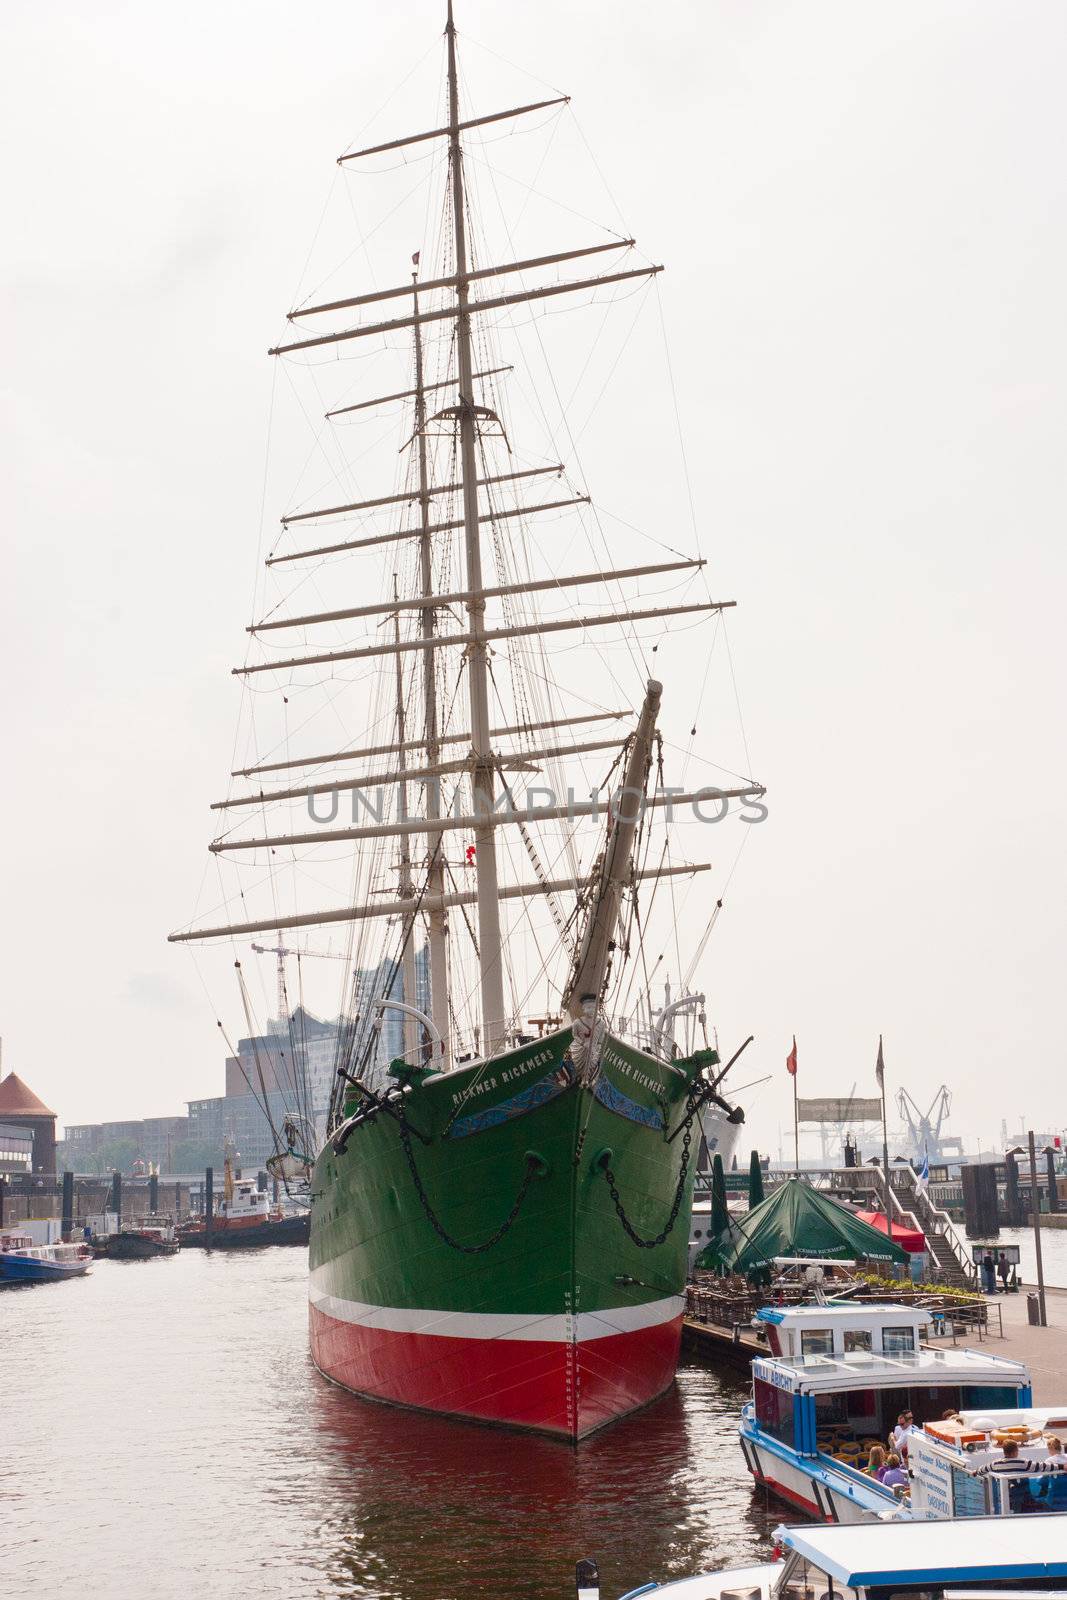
891, 1561
22, 1261
834, 1384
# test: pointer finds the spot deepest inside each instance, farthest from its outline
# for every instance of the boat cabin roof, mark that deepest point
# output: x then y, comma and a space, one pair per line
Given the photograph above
863, 1370
874, 1553
859, 1314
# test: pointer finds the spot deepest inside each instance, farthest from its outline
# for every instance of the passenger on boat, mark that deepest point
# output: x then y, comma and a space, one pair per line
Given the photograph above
1057, 1461
905, 1423
894, 1476
876, 1462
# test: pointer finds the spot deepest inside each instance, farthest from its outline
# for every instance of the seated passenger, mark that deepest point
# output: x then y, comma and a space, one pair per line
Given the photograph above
894, 1476
876, 1462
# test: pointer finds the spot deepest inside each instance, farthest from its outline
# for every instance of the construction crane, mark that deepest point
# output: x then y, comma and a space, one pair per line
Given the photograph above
281, 952
924, 1129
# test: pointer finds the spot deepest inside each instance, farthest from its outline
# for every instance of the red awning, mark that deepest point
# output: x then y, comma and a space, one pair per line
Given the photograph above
909, 1239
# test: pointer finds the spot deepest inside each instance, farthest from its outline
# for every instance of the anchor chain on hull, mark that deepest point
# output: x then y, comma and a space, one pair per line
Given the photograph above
603, 1160
536, 1167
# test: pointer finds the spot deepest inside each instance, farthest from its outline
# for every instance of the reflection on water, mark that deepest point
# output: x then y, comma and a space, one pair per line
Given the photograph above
169, 1432
1053, 1254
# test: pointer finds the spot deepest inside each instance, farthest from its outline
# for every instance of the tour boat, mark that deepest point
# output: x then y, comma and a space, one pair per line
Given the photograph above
22, 1261
834, 1385
958, 1466
500, 1218
887, 1561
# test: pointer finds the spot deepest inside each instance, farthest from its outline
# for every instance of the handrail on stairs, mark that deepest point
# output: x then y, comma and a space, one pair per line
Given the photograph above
934, 1220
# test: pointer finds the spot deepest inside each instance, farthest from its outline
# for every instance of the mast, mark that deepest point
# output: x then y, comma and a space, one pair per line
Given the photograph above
488, 885
406, 884
590, 968
437, 919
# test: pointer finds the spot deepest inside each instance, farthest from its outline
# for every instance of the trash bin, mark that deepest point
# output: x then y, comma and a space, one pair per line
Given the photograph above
1033, 1312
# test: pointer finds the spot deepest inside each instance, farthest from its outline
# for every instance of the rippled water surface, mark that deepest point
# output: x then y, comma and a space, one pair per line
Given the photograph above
165, 1435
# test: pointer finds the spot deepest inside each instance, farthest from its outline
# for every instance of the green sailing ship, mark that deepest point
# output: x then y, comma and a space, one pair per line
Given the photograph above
500, 1213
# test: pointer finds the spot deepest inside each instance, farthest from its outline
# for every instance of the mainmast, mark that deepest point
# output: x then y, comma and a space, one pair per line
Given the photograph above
482, 780
406, 884
437, 919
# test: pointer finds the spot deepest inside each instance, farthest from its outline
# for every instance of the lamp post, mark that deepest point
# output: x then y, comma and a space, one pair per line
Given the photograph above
1035, 1208
1035, 1213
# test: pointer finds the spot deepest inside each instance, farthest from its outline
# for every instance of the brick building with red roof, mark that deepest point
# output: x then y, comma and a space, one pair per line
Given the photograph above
20, 1108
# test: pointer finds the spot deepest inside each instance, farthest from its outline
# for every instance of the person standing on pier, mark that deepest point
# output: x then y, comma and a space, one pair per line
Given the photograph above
989, 1273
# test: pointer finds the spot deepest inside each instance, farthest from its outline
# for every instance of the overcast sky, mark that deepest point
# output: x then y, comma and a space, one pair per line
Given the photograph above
861, 208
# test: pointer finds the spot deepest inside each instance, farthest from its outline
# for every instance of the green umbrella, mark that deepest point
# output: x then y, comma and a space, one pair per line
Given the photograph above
796, 1220
755, 1181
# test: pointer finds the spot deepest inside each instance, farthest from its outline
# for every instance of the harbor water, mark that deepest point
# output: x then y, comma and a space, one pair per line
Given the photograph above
1053, 1254
165, 1433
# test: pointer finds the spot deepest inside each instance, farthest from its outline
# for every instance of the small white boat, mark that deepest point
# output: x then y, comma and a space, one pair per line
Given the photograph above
889, 1561
836, 1380
22, 1261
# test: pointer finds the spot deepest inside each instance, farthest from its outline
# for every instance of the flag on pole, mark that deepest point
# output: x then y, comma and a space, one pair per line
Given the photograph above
879, 1070
791, 1059
924, 1170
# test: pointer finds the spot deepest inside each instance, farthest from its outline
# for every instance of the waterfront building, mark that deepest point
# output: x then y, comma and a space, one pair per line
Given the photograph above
16, 1149
20, 1108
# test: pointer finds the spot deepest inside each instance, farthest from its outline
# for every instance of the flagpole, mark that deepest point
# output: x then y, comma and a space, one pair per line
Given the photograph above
796, 1127
885, 1131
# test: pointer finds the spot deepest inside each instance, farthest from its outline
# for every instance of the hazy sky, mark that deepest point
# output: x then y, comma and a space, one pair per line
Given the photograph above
862, 209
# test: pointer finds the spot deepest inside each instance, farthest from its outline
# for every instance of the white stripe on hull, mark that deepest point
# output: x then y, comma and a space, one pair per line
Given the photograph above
585, 1326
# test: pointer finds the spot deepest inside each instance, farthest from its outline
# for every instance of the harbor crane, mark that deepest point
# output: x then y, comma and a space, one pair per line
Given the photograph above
924, 1128
281, 952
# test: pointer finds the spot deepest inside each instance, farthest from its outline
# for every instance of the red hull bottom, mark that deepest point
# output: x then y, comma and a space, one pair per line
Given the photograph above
567, 1390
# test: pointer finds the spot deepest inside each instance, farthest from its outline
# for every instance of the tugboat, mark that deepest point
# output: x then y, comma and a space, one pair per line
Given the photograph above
22, 1261
245, 1218
152, 1236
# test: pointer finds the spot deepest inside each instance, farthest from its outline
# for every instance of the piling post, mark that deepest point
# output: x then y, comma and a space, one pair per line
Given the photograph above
116, 1199
3, 1192
1053, 1191
67, 1224
209, 1207
153, 1192
1013, 1205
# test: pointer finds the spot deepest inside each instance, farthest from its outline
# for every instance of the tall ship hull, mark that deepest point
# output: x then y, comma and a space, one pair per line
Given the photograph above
487, 1272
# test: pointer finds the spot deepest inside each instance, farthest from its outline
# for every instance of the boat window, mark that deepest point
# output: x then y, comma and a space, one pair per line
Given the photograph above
857, 1339
898, 1341
805, 1581
774, 1410
816, 1341
969, 1494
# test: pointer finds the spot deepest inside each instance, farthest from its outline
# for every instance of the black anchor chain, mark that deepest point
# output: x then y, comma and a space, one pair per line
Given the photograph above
668, 1228
535, 1167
